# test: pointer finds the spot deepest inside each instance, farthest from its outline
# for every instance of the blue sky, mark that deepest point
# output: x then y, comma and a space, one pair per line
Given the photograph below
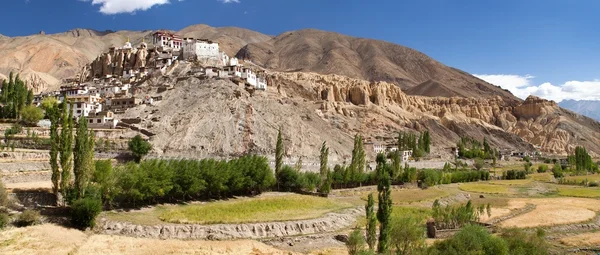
549, 48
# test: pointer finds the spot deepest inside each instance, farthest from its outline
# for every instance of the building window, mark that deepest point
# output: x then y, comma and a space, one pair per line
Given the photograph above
91, 121
99, 121
78, 111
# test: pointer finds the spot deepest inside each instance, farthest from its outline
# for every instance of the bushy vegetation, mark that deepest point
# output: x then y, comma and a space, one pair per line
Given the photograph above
514, 175
471, 148
30, 115
471, 240
581, 162
154, 180
139, 147
28, 218
451, 217
542, 168
4, 220
420, 145
84, 212
356, 242
476, 240
432, 177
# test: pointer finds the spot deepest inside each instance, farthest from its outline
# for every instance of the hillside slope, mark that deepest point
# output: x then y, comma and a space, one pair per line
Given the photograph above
332, 53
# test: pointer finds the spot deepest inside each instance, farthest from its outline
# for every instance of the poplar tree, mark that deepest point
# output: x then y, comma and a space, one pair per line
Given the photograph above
278, 155
66, 148
324, 169
83, 157
358, 163
384, 210
371, 223
54, 116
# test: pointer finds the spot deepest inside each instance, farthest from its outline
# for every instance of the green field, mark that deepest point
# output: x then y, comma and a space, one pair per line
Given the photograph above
402, 196
579, 178
542, 177
579, 192
266, 209
485, 188
512, 182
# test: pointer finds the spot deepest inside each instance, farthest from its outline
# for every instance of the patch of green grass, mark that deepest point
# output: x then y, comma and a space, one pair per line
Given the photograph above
579, 192
579, 178
542, 177
420, 213
265, 209
485, 188
403, 196
512, 182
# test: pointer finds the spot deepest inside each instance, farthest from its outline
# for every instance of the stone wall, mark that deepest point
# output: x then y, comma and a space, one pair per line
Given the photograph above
328, 223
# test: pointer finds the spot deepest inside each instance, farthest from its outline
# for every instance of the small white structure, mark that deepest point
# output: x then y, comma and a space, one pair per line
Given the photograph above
406, 155
84, 109
261, 81
200, 49
166, 39
102, 120
249, 76
378, 148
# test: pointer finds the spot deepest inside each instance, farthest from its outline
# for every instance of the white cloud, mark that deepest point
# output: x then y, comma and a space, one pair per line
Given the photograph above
230, 1
126, 6
522, 87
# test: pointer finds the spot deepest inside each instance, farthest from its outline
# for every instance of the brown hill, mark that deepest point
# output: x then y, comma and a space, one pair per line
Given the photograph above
332, 53
431, 88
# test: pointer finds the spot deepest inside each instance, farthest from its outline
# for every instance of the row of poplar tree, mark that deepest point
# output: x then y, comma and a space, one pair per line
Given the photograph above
66, 159
14, 97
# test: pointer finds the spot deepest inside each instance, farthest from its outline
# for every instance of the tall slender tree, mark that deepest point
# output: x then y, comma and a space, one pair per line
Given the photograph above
54, 116
384, 210
324, 168
83, 157
278, 155
66, 148
371, 222
358, 163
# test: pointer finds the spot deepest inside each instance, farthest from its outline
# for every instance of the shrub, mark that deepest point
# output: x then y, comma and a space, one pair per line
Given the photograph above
478, 163
542, 168
356, 242
4, 220
31, 115
28, 218
520, 242
84, 212
139, 147
3, 195
514, 175
471, 240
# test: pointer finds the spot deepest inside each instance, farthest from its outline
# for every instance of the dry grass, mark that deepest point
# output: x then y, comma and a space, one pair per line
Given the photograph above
52, 239
485, 188
582, 240
263, 209
403, 196
553, 211
41, 239
579, 192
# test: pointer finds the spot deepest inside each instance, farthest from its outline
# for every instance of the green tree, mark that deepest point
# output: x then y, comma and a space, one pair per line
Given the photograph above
478, 163
356, 242
279, 155
324, 171
83, 157
371, 222
427, 141
103, 178
54, 115
408, 235
471, 240
358, 163
66, 148
31, 115
49, 102
384, 210
139, 147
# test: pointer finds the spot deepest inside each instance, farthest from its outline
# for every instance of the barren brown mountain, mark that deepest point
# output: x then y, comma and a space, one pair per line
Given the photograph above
332, 53
230, 39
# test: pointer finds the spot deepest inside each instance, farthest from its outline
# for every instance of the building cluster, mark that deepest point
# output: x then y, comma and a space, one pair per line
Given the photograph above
129, 64
387, 148
98, 101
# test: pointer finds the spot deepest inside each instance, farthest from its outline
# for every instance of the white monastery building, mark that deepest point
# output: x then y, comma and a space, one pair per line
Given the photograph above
166, 39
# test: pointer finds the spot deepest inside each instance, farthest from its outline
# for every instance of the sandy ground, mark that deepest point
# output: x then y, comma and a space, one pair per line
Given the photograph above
29, 185
582, 240
553, 211
51, 239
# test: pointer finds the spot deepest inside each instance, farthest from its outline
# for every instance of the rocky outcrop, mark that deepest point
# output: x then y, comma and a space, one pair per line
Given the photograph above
116, 61
537, 121
329, 223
